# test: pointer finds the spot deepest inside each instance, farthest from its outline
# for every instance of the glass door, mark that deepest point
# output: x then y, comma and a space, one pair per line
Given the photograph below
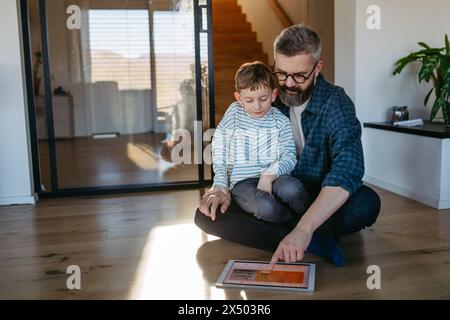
121, 91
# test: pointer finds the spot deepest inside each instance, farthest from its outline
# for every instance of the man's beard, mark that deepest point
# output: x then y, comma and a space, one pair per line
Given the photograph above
299, 97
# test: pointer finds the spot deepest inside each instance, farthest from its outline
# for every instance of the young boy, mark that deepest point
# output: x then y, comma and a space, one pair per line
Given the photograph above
253, 150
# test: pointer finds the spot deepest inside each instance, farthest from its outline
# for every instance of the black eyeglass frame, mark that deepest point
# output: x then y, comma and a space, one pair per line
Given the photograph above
287, 75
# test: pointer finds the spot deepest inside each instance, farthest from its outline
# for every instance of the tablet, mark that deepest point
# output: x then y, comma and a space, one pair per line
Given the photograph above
247, 274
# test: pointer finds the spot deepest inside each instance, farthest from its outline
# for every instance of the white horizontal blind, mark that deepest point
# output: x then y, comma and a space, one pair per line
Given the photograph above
120, 47
174, 54
120, 50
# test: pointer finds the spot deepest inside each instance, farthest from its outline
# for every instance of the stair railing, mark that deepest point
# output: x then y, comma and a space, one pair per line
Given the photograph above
280, 13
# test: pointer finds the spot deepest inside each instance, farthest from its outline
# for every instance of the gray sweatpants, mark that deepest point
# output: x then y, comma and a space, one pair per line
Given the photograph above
289, 199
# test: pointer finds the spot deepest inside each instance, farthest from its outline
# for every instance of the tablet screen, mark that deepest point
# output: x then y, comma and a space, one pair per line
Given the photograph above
256, 273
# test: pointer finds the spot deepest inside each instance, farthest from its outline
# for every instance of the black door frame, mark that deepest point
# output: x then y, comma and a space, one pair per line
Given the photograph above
82, 191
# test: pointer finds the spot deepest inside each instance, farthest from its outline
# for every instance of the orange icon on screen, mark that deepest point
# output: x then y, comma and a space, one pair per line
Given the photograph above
280, 276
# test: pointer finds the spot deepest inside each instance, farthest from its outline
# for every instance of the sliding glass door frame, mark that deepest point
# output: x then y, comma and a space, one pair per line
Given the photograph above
56, 191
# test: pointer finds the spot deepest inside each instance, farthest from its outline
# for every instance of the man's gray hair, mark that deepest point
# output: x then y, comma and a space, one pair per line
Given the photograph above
298, 39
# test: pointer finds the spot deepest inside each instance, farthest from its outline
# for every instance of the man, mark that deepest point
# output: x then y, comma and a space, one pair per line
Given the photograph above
330, 163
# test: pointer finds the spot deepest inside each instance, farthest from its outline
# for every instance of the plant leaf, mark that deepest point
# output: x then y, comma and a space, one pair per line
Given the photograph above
428, 96
444, 66
429, 51
442, 99
435, 109
403, 62
446, 112
423, 44
445, 88
447, 45
416, 56
429, 64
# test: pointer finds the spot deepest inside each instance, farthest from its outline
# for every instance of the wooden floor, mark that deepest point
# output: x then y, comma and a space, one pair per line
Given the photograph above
124, 160
145, 246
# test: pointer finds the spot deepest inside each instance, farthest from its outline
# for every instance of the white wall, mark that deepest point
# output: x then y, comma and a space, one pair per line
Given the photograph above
345, 45
15, 160
364, 64
321, 19
404, 23
316, 13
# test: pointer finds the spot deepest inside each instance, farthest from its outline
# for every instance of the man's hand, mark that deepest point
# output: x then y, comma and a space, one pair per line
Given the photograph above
294, 245
292, 248
265, 182
212, 199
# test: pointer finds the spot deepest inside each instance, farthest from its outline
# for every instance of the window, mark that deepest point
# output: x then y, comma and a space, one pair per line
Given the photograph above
174, 53
120, 48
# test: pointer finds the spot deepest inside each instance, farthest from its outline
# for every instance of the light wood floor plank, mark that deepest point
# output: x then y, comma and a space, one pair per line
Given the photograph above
131, 246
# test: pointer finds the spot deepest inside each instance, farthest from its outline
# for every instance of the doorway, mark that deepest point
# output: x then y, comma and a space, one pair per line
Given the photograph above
112, 84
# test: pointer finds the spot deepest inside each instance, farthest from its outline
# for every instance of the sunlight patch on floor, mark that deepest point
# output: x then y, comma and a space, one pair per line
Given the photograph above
146, 159
168, 268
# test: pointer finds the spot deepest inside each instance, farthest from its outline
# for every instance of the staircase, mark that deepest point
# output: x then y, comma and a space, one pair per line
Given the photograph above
234, 44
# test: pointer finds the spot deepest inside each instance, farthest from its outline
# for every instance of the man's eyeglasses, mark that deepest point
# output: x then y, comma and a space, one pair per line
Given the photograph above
297, 77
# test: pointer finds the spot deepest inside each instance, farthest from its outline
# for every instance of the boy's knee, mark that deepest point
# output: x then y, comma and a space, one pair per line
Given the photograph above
289, 187
268, 209
291, 191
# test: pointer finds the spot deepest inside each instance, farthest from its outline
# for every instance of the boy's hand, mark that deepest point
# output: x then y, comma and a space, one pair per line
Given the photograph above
265, 182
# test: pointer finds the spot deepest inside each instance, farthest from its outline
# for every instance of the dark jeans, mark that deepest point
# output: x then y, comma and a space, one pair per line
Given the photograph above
361, 210
288, 200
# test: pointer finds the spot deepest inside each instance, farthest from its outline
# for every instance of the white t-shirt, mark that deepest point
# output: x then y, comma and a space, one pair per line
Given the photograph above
296, 122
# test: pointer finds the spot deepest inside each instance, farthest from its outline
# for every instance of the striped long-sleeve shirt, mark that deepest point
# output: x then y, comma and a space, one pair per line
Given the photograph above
246, 147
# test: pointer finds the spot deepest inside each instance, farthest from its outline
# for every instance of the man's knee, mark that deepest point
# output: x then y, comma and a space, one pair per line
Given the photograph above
202, 221
369, 205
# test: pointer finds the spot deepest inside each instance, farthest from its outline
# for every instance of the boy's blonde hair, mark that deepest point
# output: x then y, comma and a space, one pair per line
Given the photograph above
254, 75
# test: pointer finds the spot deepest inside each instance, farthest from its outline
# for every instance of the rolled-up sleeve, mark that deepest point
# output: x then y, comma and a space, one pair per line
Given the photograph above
347, 158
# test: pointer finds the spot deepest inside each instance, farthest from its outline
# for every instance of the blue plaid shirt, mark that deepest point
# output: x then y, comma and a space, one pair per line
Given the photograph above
333, 154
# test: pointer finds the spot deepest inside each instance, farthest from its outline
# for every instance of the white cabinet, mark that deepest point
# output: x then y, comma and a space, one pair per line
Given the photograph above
413, 162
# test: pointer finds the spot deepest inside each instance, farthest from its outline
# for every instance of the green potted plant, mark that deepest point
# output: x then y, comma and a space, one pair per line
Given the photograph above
436, 68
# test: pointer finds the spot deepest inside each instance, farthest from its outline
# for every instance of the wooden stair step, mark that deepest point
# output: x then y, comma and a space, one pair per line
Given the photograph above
224, 75
235, 61
238, 55
229, 17
221, 60
235, 43
230, 52
224, 90
218, 8
234, 37
225, 1
233, 28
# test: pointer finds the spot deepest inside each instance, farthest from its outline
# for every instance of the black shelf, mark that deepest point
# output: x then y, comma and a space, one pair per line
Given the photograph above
434, 130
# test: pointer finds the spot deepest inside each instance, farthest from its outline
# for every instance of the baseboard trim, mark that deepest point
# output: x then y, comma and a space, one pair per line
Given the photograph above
432, 202
10, 200
444, 204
